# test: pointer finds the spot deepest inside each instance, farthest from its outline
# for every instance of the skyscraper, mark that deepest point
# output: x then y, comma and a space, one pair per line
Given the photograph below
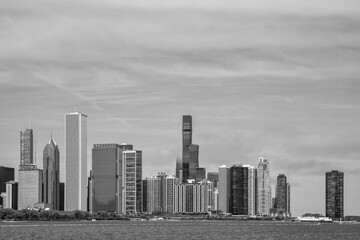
239, 190
224, 189
107, 177
75, 161
6, 175
335, 194
190, 152
51, 174
30, 177
187, 140
26, 147
252, 187
213, 177
263, 188
132, 182
281, 193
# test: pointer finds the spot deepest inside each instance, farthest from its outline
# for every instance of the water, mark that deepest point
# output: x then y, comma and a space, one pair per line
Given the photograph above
177, 230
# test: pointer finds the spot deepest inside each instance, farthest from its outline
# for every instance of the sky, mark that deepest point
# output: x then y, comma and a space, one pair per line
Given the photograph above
277, 79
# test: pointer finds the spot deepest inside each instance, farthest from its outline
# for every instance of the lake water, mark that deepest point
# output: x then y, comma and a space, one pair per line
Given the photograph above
177, 230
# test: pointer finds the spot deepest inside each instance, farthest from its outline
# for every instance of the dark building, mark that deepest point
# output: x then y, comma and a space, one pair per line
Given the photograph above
239, 190
213, 177
193, 160
107, 177
200, 174
26, 147
190, 153
281, 193
187, 140
12, 195
51, 174
335, 194
62, 196
6, 175
179, 168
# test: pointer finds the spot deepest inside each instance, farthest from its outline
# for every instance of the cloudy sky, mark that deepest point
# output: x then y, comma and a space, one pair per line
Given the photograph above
278, 79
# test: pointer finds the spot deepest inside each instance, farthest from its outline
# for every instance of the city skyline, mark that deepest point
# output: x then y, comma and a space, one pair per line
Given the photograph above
278, 81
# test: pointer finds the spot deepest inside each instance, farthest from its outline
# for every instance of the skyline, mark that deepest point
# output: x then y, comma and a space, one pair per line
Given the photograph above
278, 81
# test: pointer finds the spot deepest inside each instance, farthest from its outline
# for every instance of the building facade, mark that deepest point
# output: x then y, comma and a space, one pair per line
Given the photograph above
75, 161
252, 190
224, 189
51, 175
193, 197
11, 195
239, 190
213, 177
132, 183
30, 187
26, 147
281, 193
263, 188
6, 174
334, 194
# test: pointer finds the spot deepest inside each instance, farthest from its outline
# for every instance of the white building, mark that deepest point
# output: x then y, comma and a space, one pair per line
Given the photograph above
263, 188
132, 182
75, 161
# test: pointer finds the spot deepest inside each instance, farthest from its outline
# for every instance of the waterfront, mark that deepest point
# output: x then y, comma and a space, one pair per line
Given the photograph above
176, 230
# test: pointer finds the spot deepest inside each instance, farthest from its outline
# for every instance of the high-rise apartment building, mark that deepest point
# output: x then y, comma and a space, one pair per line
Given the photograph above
107, 177
11, 195
6, 175
192, 197
281, 198
26, 147
252, 190
224, 189
75, 161
213, 177
334, 194
239, 190
263, 188
170, 182
132, 182
51, 175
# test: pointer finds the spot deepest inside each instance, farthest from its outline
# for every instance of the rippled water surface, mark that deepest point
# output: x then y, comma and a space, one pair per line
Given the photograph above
177, 230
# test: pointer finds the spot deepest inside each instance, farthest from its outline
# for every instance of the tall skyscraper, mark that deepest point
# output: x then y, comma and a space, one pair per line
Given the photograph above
26, 147
190, 152
51, 174
252, 190
263, 188
224, 189
239, 190
335, 194
30, 177
6, 175
107, 177
75, 161
281, 193
132, 183
187, 140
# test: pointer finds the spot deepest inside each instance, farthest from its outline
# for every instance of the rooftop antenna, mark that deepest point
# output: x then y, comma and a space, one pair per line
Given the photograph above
75, 109
29, 122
